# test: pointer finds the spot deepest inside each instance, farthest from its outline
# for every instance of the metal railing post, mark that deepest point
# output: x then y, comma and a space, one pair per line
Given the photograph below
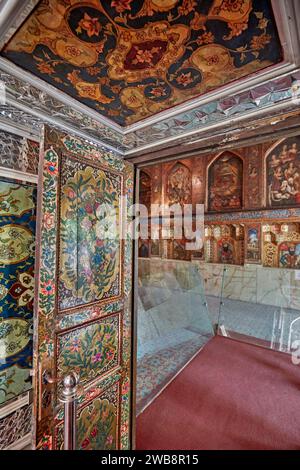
68, 397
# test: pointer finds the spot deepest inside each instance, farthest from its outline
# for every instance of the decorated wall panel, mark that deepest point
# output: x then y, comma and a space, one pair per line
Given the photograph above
131, 59
176, 249
17, 249
96, 345
224, 244
144, 248
253, 177
248, 186
178, 183
145, 196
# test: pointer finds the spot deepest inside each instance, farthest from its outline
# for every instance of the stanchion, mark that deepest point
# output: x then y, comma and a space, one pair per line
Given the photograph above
68, 397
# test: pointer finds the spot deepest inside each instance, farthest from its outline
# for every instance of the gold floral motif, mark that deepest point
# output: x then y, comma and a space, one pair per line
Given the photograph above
15, 244
13, 336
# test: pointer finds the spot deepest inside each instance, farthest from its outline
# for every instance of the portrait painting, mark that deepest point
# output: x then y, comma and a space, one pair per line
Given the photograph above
289, 255
253, 243
283, 174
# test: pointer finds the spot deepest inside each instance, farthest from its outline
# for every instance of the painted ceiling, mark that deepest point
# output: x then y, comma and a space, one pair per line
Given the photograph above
130, 59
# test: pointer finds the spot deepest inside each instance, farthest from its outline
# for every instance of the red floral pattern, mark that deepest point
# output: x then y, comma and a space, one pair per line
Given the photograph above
121, 5
144, 55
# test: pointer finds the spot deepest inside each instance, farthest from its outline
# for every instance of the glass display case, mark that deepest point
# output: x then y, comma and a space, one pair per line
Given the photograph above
173, 323
261, 306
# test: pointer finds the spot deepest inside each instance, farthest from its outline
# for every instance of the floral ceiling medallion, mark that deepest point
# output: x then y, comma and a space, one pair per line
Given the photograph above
132, 59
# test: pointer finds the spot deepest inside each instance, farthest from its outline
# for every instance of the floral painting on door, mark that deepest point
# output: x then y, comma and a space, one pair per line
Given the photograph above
17, 237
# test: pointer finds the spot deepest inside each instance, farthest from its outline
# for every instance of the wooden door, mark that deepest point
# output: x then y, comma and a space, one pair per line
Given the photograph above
83, 293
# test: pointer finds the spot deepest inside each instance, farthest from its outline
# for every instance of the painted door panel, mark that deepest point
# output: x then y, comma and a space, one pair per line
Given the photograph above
83, 293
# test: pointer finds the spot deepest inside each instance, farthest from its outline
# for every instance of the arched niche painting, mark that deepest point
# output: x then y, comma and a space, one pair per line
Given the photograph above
224, 244
225, 183
179, 185
283, 174
145, 189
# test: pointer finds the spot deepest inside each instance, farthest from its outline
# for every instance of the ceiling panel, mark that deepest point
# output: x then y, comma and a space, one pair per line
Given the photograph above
129, 60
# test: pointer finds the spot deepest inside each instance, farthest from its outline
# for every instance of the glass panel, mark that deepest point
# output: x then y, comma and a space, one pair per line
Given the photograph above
261, 306
173, 323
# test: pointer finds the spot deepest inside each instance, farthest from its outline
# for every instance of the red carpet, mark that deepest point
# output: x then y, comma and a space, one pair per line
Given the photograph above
231, 396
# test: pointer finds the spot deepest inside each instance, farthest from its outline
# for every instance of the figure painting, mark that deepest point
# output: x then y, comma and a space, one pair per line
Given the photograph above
225, 183
289, 255
179, 185
145, 190
283, 174
130, 59
253, 254
155, 248
225, 251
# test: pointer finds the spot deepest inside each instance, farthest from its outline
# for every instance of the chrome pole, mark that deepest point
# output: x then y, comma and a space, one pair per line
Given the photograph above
69, 398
